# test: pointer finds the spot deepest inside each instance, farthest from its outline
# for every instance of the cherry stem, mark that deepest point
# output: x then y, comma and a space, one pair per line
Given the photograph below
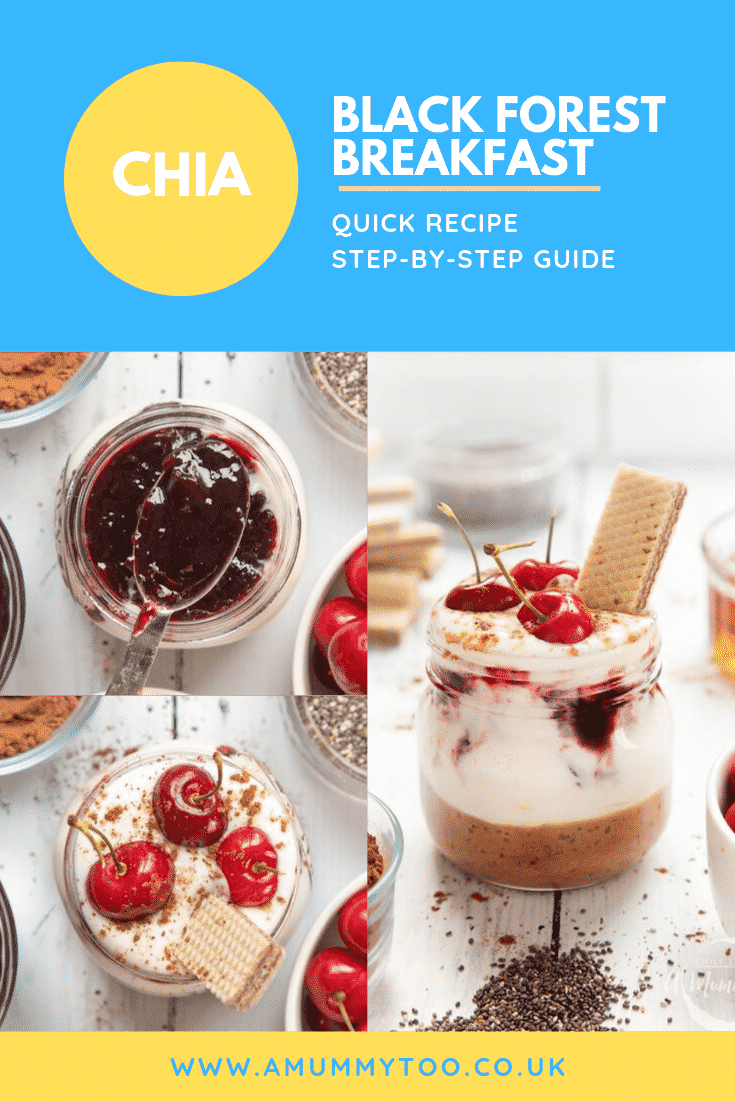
339, 998
494, 550
86, 829
551, 533
261, 867
200, 797
453, 516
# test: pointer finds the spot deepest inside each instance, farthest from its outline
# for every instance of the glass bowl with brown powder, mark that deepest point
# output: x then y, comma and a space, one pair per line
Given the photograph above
34, 728
334, 385
35, 384
384, 854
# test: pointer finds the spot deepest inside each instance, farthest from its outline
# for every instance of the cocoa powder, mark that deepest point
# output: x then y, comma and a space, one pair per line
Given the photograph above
376, 863
26, 721
29, 377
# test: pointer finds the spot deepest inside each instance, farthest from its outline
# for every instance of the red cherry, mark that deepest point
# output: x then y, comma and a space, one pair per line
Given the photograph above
730, 817
138, 883
492, 594
568, 619
353, 923
362, 1027
188, 806
535, 575
249, 864
347, 654
322, 673
356, 573
730, 785
337, 982
334, 615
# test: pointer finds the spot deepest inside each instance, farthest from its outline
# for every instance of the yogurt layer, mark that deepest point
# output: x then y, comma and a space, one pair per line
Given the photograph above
519, 731
120, 805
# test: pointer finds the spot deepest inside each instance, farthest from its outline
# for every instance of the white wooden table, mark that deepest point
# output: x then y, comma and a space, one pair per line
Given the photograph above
58, 985
62, 651
664, 906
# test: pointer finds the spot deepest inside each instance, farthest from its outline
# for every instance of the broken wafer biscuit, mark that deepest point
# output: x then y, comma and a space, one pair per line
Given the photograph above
396, 488
408, 539
425, 560
631, 540
387, 626
232, 956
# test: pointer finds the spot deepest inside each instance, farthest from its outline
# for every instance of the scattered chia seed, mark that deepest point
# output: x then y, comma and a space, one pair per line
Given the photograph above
544, 993
341, 376
338, 726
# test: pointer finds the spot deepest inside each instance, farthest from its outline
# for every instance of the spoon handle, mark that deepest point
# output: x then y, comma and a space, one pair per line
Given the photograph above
131, 675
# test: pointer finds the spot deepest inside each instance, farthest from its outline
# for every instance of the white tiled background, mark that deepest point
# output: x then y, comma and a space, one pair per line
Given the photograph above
605, 403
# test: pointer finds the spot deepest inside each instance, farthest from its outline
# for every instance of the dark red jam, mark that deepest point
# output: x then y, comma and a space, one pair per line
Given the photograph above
190, 523
111, 517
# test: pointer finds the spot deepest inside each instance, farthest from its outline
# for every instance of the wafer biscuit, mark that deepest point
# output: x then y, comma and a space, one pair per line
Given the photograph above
393, 588
387, 626
409, 538
396, 488
631, 540
426, 561
232, 956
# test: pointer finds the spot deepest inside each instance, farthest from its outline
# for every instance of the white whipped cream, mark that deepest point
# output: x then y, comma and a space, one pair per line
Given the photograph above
119, 803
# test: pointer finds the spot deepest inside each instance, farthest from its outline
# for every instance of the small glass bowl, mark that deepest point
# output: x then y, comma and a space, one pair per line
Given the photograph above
72, 857
331, 583
8, 954
339, 418
59, 739
323, 934
10, 418
12, 604
318, 752
493, 475
386, 829
277, 470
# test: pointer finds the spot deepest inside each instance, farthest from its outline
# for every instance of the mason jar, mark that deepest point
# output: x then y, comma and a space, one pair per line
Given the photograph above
12, 604
139, 953
115, 446
543, 765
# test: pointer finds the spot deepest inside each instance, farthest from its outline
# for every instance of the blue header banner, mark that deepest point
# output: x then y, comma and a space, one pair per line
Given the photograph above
476, 176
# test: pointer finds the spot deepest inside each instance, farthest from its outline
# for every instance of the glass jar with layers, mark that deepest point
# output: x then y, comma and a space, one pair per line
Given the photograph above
104, 483
544, 765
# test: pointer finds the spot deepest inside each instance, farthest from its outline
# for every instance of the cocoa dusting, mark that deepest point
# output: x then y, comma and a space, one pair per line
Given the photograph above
27, 721
29, 377
376, 864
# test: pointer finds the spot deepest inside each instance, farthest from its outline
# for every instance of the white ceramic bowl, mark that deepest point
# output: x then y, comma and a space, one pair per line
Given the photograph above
721, 843
331, 583
323, 934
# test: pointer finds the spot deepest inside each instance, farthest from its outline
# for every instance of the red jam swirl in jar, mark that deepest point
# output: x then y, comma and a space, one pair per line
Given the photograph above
105, 482
113, 507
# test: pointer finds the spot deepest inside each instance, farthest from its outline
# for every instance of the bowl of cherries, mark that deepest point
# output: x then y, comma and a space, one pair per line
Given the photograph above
327, 991
330, 655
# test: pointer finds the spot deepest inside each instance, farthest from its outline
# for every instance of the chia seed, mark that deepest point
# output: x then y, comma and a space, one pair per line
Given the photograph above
544, 993
337, 725
342, 378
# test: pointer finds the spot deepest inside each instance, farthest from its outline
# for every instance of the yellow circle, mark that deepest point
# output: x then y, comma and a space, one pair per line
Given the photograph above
172, 243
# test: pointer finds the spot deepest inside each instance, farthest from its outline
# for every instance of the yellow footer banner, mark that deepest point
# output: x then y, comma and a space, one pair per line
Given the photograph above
385, 1066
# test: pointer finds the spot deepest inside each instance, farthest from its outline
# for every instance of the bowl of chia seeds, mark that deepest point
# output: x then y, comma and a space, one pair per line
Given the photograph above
334, 385
330, 733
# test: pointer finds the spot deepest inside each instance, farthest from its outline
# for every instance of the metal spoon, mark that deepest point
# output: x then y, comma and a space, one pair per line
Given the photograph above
189, 528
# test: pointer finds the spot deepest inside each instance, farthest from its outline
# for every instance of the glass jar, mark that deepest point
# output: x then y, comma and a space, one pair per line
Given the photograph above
343, 420
12, 604
10, 418
277, 475
138, 953
544, 765
386, 830
338, 763
718, 545
494, 475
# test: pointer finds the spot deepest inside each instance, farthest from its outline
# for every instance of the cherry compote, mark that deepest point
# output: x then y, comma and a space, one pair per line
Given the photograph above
113, 508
